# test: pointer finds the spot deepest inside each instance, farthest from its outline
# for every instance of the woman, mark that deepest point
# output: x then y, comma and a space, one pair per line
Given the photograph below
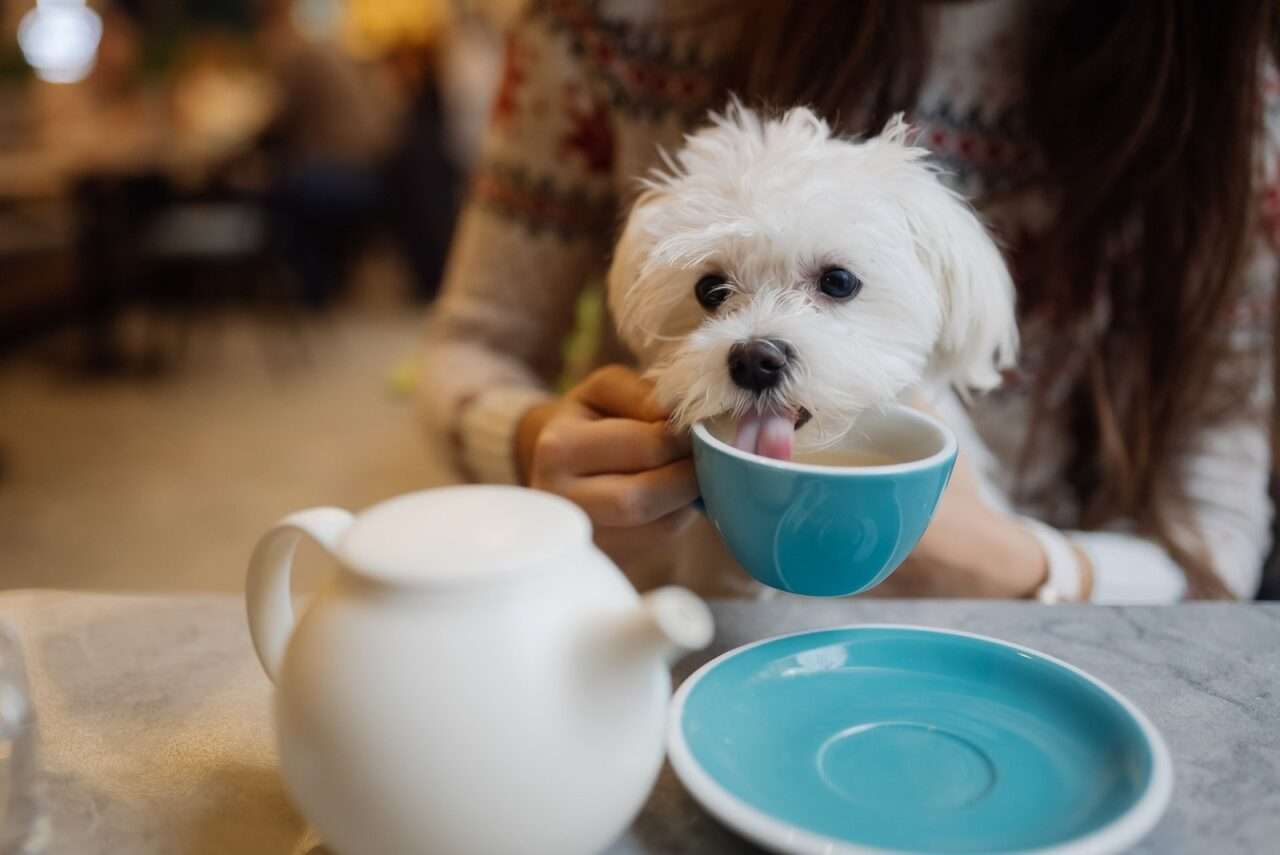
1118, 151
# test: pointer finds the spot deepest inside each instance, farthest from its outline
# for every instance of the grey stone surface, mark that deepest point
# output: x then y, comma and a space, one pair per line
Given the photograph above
155, 734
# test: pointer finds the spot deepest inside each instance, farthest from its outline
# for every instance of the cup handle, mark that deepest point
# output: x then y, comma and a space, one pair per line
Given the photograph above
267, 591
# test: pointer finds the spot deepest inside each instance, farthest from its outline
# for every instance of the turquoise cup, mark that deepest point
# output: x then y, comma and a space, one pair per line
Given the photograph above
827, 530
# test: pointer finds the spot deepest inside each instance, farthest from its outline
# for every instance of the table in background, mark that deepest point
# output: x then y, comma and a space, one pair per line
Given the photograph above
155, 726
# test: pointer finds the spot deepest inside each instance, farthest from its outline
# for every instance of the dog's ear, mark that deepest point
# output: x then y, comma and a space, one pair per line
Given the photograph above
629, 266
979, 335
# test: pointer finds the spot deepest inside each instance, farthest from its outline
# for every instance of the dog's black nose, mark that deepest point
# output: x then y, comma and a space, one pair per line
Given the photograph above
758, 364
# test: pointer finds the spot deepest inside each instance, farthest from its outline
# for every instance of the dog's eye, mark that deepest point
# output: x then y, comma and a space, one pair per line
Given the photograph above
839, 284
712, 290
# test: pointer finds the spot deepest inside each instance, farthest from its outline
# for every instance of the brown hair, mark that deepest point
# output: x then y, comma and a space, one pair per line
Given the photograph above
1146, 114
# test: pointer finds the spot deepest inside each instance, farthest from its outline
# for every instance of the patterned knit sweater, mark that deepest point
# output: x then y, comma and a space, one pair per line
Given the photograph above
589, 94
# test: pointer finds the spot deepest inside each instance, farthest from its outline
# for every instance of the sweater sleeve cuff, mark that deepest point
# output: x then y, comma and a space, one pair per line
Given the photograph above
486, 430
1130, 570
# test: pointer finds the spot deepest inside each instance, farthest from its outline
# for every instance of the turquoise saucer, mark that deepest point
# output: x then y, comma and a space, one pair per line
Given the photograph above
907, 739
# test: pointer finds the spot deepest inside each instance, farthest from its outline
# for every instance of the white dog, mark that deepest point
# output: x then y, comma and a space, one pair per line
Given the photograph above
780, 274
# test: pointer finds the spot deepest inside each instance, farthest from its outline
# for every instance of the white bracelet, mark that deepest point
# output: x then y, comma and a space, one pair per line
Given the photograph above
1065, 578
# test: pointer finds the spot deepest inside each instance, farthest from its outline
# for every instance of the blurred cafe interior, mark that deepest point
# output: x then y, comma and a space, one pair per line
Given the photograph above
221, 223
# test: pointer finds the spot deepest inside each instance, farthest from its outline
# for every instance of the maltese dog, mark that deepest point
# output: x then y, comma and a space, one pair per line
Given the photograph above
784, 277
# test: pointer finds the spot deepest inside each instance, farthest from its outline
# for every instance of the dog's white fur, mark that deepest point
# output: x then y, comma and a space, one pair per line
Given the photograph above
770, 203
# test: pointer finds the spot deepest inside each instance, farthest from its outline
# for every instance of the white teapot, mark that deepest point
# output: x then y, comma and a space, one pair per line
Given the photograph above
477, 678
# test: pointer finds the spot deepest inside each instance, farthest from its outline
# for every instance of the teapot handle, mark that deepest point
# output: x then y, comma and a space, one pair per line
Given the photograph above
267, 591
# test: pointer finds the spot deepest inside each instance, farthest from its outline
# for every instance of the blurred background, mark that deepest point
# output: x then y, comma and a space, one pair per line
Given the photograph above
221, 223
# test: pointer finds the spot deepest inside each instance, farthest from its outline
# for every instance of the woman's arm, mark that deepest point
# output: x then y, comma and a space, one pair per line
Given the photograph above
978, 546
533, 234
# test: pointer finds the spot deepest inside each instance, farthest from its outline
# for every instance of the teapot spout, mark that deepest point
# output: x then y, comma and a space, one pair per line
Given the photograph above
668, 623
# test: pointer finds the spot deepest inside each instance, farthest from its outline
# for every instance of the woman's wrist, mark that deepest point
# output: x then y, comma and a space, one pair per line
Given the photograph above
526, 437
1025, 560
1069, 576
992, 555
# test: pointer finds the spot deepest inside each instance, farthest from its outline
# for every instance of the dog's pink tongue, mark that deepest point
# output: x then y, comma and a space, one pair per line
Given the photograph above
766, 434
748, 433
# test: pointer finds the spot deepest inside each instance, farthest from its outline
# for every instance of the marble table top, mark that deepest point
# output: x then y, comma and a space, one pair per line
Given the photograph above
155, 734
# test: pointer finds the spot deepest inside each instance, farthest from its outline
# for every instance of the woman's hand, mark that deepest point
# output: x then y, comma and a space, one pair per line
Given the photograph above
606, 446
970, 549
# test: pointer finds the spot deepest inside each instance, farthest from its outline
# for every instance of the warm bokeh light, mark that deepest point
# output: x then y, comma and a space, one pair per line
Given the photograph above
373, 26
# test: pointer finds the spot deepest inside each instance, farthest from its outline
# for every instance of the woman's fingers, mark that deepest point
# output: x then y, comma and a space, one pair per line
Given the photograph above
618, 391
608, 449
637, 499
622, 544
613, 445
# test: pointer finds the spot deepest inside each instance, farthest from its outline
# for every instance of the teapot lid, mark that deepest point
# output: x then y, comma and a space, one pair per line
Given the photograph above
463, 534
